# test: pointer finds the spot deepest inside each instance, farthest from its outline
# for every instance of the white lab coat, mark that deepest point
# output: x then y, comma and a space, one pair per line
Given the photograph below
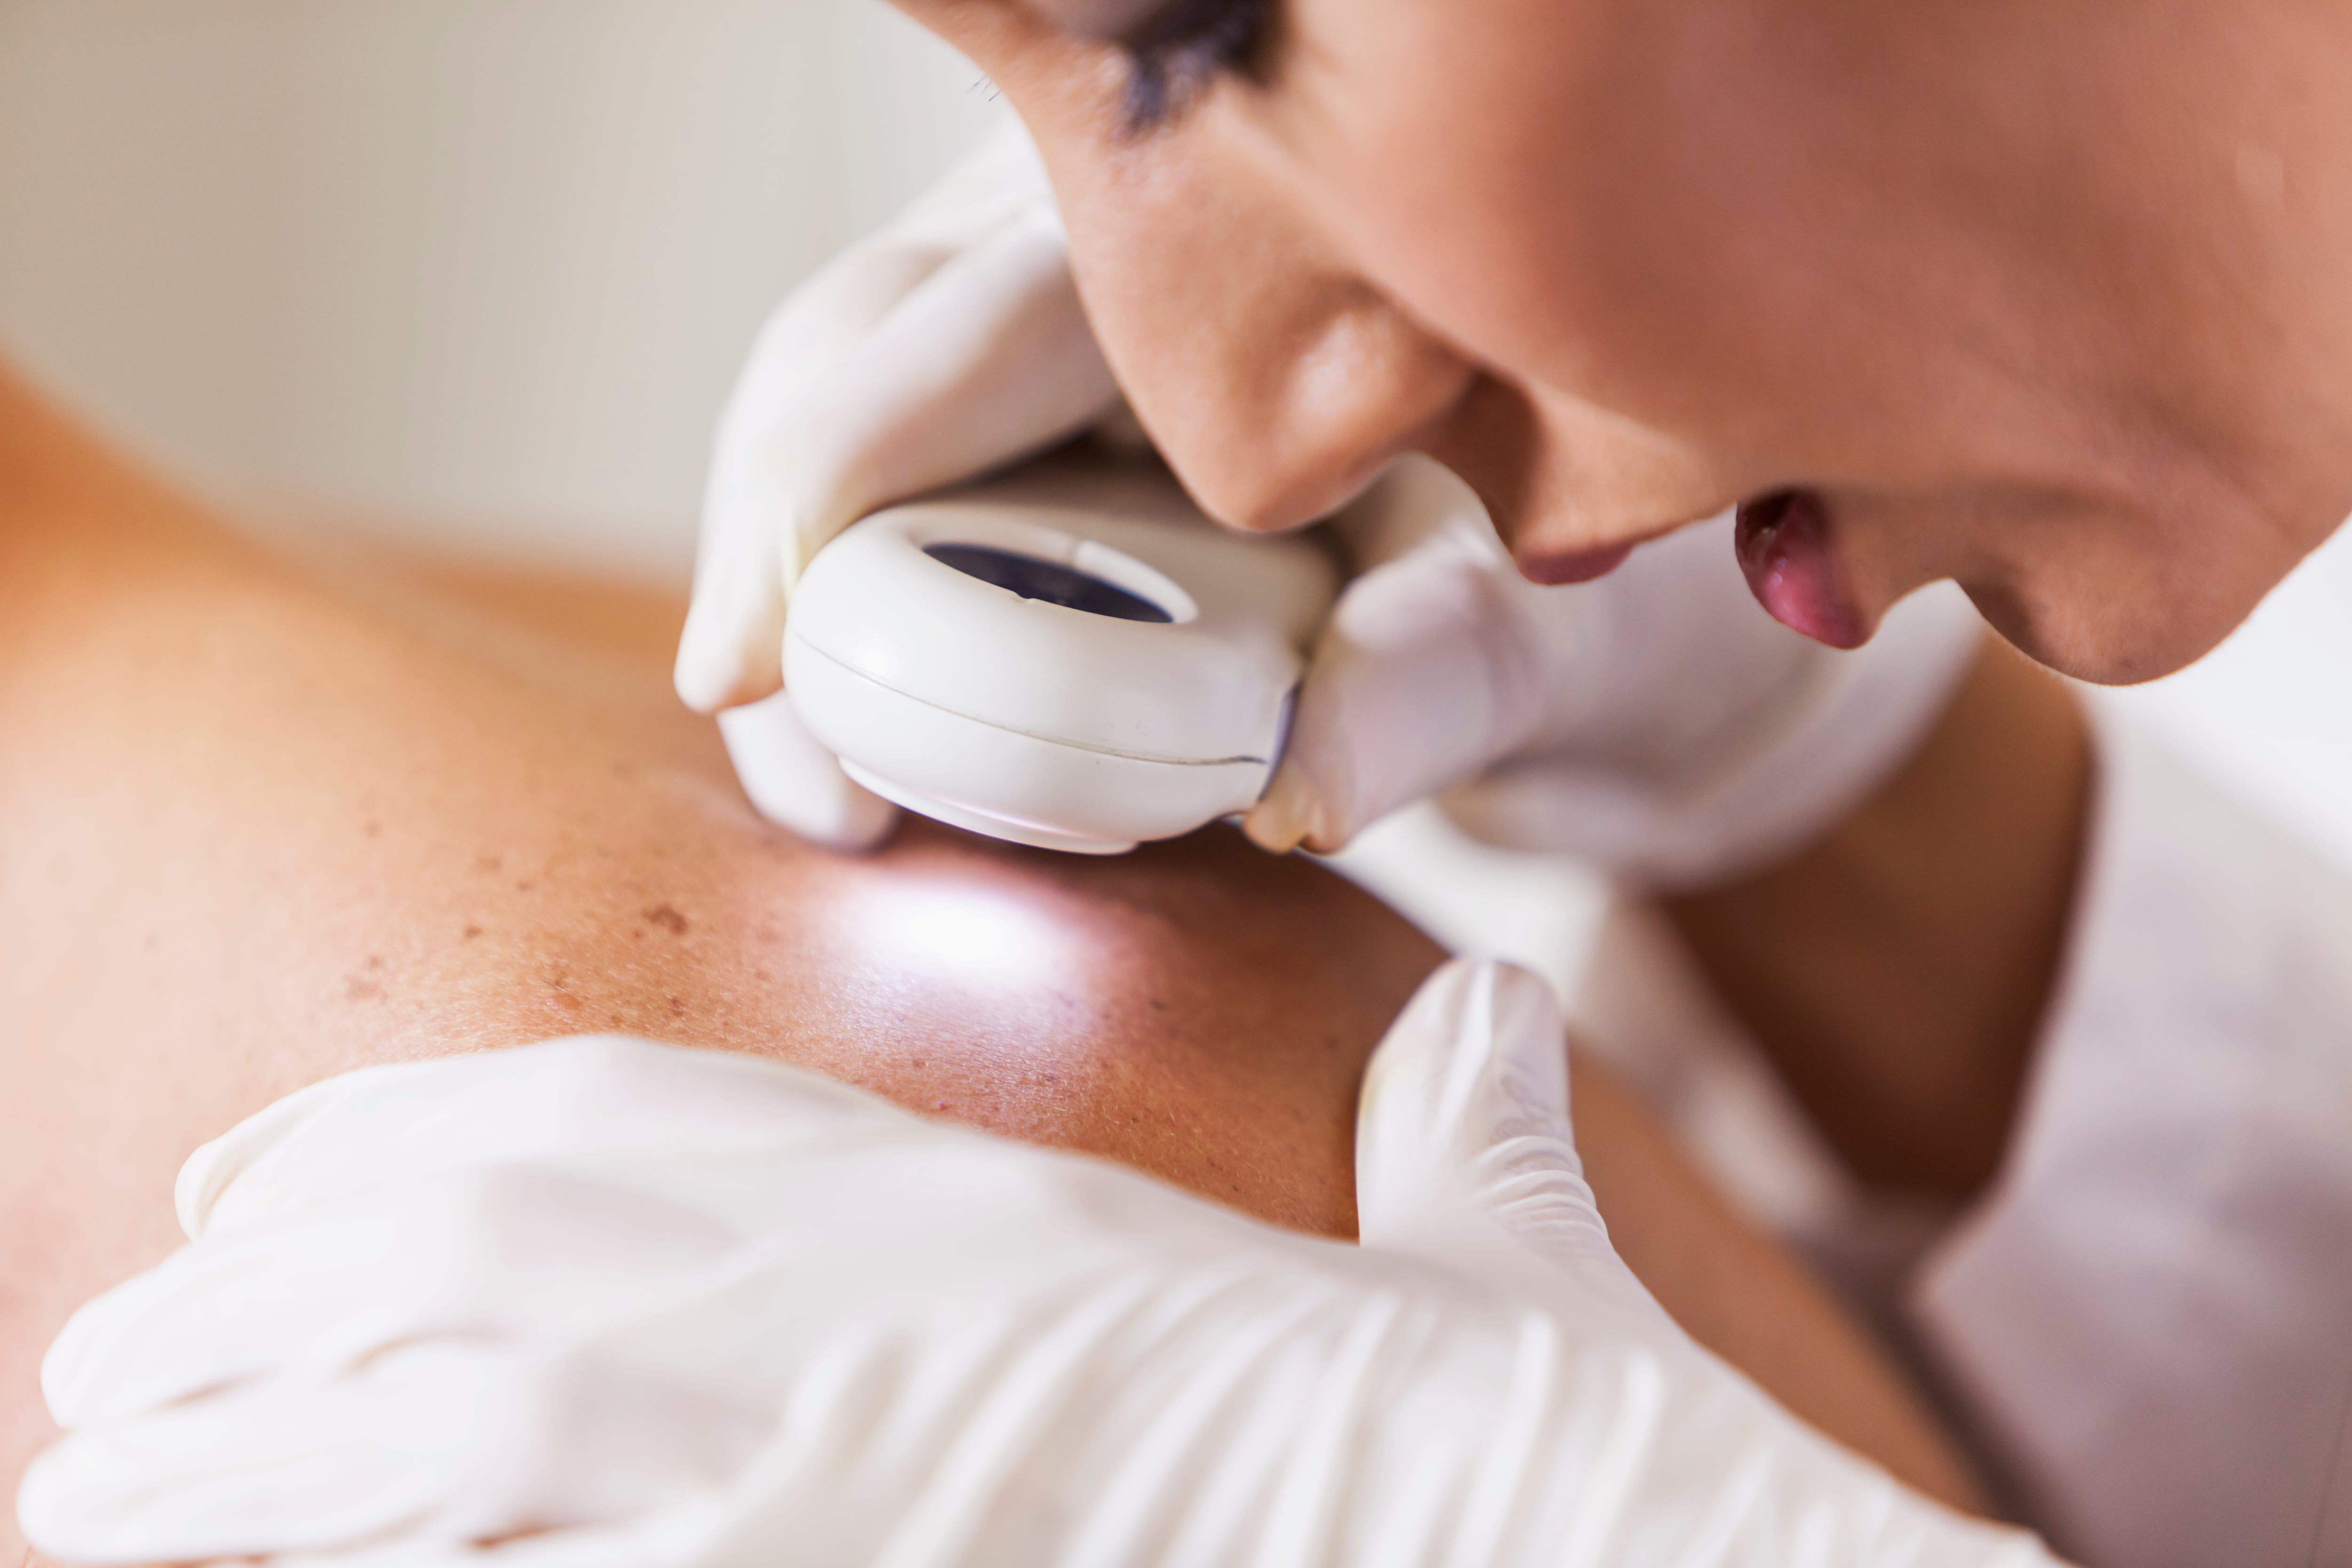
2150, 1316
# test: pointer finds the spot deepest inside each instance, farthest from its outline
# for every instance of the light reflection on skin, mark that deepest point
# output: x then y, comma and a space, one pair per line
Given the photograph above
962, 932
982, 998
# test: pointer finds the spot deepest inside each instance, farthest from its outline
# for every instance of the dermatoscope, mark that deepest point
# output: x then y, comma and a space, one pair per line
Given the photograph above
1071, 656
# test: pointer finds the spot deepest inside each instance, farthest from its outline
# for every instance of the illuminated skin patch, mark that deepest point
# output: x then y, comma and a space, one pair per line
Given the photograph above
964, 934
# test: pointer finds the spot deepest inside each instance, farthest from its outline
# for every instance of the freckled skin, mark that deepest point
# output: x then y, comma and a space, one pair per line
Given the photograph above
204, 735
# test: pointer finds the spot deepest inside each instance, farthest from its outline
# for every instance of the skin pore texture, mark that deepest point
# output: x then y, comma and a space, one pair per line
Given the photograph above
2041, 295
267, 822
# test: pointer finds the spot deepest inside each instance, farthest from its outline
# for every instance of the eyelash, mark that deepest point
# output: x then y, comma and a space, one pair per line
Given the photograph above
1173, 59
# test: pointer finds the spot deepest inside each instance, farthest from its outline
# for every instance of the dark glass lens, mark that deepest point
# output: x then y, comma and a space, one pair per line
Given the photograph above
1050, 581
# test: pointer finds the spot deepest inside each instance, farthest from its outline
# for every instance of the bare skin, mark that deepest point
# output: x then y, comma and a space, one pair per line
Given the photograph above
1897, 970
266, 824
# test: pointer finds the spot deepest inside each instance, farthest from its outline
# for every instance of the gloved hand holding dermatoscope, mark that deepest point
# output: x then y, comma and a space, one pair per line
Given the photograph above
1656, 721
602, 1302
1071, 657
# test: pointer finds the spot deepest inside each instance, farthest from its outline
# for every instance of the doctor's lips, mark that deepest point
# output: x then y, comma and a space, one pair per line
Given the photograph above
1791, 561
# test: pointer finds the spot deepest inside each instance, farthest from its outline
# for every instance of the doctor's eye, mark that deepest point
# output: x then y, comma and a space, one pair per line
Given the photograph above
1179, 49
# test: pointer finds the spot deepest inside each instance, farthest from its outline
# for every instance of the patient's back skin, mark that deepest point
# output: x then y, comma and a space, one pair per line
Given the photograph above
261, 823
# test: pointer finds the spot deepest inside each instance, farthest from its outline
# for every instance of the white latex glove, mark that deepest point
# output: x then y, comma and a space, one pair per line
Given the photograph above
608, 1303
946, 345
1656, 720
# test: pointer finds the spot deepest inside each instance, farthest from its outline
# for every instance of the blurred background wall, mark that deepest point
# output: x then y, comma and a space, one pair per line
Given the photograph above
483, 265
485, 268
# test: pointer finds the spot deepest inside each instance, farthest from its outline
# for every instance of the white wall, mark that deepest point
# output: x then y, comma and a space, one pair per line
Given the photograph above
2269, 714
483, 263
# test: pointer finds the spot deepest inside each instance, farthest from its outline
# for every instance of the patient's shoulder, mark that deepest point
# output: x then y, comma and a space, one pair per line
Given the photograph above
335, 819
1198, 1009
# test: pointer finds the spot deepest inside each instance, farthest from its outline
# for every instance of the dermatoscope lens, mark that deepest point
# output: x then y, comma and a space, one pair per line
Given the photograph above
1050, 582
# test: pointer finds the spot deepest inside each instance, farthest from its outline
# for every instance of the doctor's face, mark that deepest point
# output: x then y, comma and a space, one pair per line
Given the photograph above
2044, 296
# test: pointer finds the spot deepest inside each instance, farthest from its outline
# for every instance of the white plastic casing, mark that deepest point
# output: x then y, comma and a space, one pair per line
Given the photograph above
1040, 724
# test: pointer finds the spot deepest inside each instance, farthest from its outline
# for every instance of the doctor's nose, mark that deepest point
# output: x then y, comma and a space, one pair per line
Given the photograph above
1279, 385
1281, 404
1276, 381
1279, 378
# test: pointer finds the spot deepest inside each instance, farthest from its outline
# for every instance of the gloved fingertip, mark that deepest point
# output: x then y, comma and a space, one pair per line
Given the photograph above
1478, 1050
1442, 1016
711, 674
92, 1371
1291, 815
66, 1379
731, 649
1272, 830
702, 691
793, 781
67, 1513
865, 821
702, 682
